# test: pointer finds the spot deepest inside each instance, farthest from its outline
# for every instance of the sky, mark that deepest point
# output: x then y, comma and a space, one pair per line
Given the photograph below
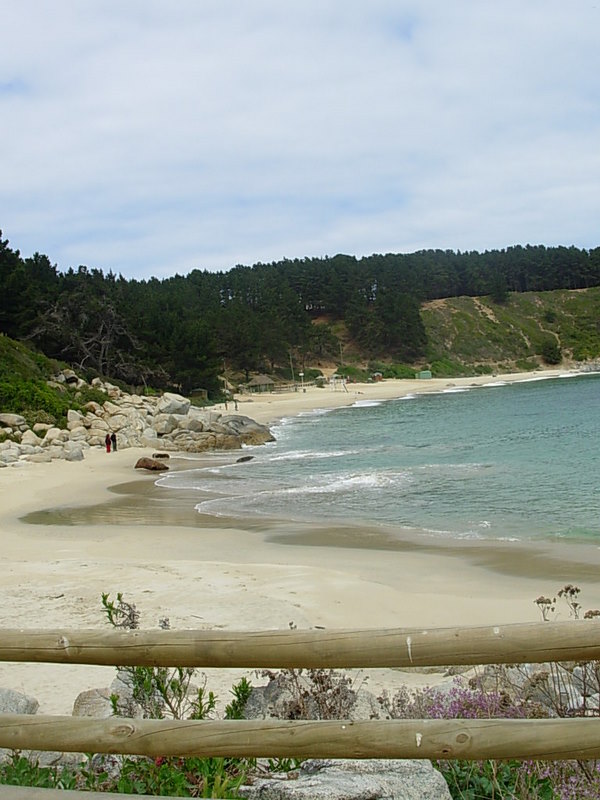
153, 137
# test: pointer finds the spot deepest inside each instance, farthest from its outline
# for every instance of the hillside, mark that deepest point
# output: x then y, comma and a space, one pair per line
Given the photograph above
182, 333
465, 336
470, 335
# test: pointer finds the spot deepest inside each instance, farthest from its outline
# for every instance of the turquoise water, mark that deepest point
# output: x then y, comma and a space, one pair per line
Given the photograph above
502, 461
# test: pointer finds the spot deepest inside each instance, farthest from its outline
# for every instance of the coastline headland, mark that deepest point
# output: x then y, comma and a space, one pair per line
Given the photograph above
230, 574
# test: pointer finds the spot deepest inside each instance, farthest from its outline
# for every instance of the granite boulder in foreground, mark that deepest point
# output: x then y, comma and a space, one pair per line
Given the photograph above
347, 779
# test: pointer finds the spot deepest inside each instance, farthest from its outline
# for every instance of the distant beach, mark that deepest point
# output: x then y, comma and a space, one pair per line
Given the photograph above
268, 407
74, 530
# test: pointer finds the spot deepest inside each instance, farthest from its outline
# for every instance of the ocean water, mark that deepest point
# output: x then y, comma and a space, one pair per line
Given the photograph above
501, 461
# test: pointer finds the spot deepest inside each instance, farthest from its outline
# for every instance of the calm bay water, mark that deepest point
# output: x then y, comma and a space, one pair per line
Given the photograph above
500, 461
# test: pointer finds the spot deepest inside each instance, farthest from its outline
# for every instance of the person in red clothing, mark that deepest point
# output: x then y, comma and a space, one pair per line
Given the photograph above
107, 442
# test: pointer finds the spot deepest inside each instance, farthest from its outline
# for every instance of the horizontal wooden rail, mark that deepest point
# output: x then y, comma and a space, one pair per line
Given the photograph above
34, 793
425, 738
573, 640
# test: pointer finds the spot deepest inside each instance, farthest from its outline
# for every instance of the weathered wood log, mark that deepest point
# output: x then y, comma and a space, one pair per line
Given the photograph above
34, 793
574, 640
430, 739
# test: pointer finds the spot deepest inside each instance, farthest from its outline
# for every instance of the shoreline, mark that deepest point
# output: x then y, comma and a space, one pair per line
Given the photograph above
112, 531
270, 407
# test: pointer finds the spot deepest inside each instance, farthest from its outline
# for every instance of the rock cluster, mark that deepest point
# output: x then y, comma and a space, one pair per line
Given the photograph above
168, 422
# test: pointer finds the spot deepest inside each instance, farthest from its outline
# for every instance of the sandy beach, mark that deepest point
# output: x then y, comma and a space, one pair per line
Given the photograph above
72, 530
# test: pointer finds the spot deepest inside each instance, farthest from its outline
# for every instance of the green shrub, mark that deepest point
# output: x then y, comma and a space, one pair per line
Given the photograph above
446, 368
392, 370
29, 397
19, 771
526, 365
353, 374
550, 351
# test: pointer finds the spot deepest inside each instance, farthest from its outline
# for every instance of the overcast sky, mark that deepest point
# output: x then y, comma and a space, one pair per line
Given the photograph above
152, 137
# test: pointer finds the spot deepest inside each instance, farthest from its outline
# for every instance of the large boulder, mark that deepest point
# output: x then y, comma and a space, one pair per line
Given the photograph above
116, 422
165, 423
151, 464
56, 451
13, 421
53, 435
93, 703
93, 407
77, 434
30, 438
12, 702
172, 404
74, 454
74, 419
149, 437
193, 424
69, 376
41, 427
347, 779
40, 458
249, 430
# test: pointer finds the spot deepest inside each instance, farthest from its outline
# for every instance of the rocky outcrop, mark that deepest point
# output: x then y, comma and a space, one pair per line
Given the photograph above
168, 423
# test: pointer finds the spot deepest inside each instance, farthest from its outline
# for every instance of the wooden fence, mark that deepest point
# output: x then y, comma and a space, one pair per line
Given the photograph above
575, 640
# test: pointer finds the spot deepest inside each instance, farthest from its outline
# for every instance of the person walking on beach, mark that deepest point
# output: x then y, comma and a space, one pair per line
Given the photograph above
113, 439
107, 442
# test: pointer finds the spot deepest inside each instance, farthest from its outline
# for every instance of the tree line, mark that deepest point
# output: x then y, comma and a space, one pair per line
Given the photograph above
180, 331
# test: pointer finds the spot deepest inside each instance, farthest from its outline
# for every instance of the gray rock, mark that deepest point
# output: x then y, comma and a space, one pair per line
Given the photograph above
70, 376
41, 427
151, 464
29, 437
12, 702
195, 425
93, 703
52, 435
117, 421
173, 404
78, 433
55, 451
28, 449
40, 458
164, 423
75, 454
111, 408
74, 418
149, 437
13, 420
93, 407
341, 779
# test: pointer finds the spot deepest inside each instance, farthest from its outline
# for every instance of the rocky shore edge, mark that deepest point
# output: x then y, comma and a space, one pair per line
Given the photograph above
169, 423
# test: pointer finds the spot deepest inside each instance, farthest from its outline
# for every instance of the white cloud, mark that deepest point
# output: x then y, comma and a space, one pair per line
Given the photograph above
150, 137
